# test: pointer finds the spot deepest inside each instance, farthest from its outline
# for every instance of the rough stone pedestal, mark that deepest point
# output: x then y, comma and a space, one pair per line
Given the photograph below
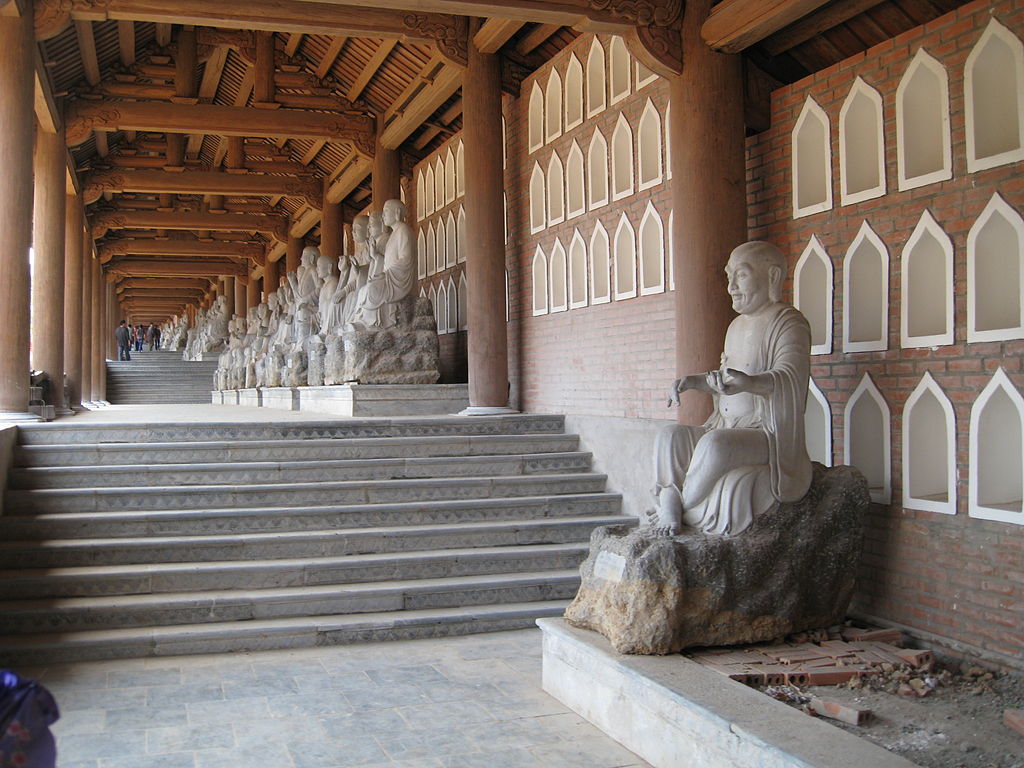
792, 569
405, 354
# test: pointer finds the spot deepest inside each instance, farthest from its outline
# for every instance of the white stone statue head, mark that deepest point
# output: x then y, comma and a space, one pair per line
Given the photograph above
309, 255
755, 272
394, 212
376, 224
360, 228
325, 267
273, 301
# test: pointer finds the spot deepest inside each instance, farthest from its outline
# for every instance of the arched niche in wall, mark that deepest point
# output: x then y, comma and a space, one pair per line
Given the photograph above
649, 147
597, 86
926, 314
432, 297
994, 102
464, 303
995, 274
812, 161
421, 255
622, 159
449, 177
535, 118
452, 307
504, 146
600, 265
652, 252
420, 199
556, 190
573, 93
575, 190
996, 477
644, 76
451, 244
504, 211
929, 450
577, 271
812, 294
671, 251
866, 293
624, 259
442, 244
540, 282
923, 150
441, 308
559, 284
431, 249
428, 190
461, 235
439, 190
818, 425
460, 165
866, 438
597, 171
537, 213
620, 70
553, 107
861, 145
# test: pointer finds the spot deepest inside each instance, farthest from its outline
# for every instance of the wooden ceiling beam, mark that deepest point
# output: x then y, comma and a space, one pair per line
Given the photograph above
163, 34
87, 50
241, 99
375, 63
330, 56
190, 182
406, 119
275, 225
494, 33
294, 41
132, 246
814, 24
212, 73
535, 37
177, 268
202, 284
734, 25
126, 42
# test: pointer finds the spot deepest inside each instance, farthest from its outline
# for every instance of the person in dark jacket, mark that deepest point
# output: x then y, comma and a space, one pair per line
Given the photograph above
123, 334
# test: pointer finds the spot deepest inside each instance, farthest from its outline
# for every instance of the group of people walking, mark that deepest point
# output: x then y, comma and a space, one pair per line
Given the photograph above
127, 337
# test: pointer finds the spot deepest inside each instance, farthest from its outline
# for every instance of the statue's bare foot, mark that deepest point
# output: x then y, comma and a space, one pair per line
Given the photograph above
667, 519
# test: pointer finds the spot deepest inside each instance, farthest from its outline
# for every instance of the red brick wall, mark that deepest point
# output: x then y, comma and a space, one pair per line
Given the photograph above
952, 575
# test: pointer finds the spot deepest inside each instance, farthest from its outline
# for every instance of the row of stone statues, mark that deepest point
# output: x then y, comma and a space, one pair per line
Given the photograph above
332, 320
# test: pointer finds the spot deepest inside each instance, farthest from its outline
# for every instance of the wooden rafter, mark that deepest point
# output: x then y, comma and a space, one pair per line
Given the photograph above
126, 42
330, 56
494, 33
212, 73
375, 62
535, 37
734, 25
294, 41
87, 49
815, 23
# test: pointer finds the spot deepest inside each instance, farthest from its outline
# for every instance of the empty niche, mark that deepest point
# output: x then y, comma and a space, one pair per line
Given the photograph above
866, 293
668, 141
652, 252
597, 171
504, 146
420, 201
993, 80
577, 271
575, 195
431, 250
558, 287
460, 165
818, 425
597, 98
441, 308
996, 452
428, 189
432, 296
451, 245
535, 119
671, 251
573, 93
861, 145
442, 245
929, 450
464, 303
540, 282
644, 76
812, 294
649, 147
600, 265
553, 107
439, 193
537, 199
995, 274
449, 177
620, 75
452, 307
504, 212
421, 255
923, 151
624, 251
461, 235
556, 190
866, 438
926, 317
622, 159
812, 161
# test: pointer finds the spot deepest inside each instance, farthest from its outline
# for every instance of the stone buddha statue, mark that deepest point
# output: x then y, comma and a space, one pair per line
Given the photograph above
394, 279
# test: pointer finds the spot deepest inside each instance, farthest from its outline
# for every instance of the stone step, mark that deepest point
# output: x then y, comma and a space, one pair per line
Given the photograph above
70, 553
290, 494
67, 434
146, 454
19, 617
277, 472
109, 580
68, 525
266, 634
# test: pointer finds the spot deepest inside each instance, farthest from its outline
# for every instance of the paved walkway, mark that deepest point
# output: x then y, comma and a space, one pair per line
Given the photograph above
441, 703
191, 413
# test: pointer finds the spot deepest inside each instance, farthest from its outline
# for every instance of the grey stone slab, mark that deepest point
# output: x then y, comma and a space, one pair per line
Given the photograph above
88, 746
188, 737
385, 697
172, 760
597, 753
417, 745
309, 704
268, 755
415, 675
168, 695
448, 690
145, 677
227, 712
83, 721
255, 732
268, 684
336, 754
445, 715
332, 681
146, 717
102, 698
344, 727
506, 758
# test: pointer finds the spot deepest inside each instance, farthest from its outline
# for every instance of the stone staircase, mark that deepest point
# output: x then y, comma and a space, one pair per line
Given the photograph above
151, 540
159, 377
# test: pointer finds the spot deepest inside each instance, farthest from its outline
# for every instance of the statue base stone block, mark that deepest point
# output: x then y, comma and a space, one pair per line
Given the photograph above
385, 399
285, 398
392, 356
792, 569
250, 396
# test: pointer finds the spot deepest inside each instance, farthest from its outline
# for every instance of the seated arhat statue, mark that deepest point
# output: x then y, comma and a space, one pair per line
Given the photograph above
392, 278
751, 453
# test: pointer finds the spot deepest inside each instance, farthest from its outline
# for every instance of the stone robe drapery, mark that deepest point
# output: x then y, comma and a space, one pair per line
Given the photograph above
746, 491
377, 299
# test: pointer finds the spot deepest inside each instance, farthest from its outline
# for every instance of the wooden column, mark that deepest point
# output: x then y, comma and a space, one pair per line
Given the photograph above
241, 305
48, 220
263, 84
709, 200
99, 369
17, 123
85, 321
252, 293
109, 322
271, 276
485, 229
293, 256
227, 290
185, 64
330, 227
386, 178
73, 228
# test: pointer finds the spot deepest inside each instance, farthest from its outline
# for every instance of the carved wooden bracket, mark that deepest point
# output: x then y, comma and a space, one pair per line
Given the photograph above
659, 48
643, 13
449, 33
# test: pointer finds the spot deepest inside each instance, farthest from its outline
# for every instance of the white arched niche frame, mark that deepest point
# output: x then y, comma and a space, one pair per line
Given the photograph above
600, 265
929, 450
624, 259
553, 107
558, 286
577, 271
620, 75
649, 147
464, 303
995, 274
926, 308
994, 99
573, 93
812, 161
540, 282
861, 145
622, 159
996, 453
556, 190
652, 252
813, 294
420, 197
866, 293
421, 255
924, 152
866, 439
597, 79
597, 171
535, 118
818, 425
538, 217
575, 188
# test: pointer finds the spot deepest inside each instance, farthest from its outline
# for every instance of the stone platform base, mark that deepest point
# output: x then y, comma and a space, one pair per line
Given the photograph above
250, 397
284, 398
672, 711
355, 399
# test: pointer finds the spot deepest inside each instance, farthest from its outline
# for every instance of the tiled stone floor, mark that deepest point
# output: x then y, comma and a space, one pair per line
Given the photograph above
455, 702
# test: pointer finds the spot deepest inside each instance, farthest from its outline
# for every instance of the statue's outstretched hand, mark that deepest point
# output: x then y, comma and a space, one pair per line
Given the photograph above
673, 395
